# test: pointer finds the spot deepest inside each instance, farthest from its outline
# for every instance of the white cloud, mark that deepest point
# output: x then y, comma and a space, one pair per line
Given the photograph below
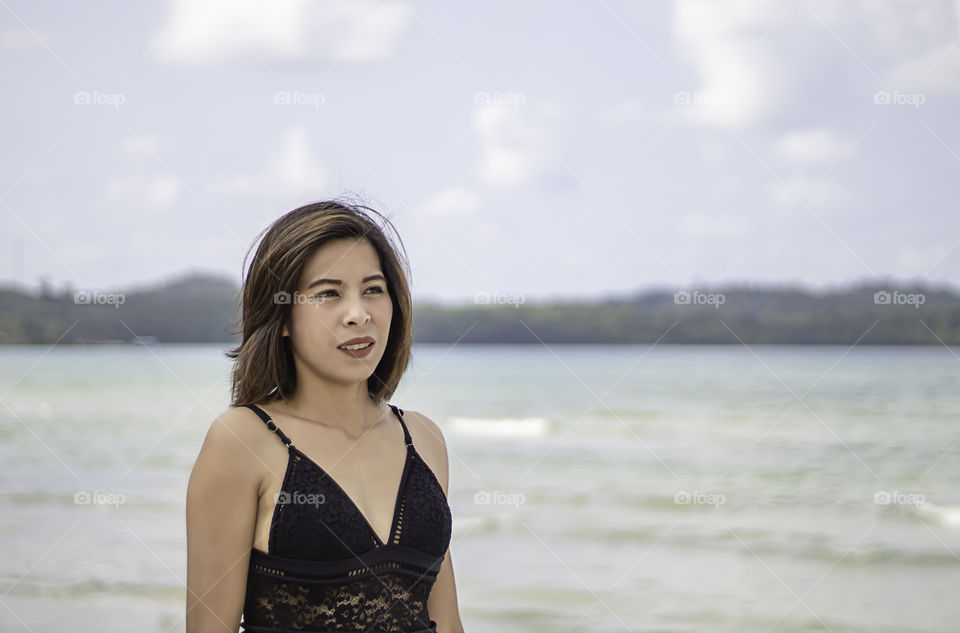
514, 154
936, 70
908, 44
216, 31
293, 170
763, 59
452, 202
889, 30
738, 77
812, 146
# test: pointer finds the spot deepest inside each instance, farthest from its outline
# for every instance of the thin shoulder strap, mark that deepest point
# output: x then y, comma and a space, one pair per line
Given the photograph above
270, 423
406, 433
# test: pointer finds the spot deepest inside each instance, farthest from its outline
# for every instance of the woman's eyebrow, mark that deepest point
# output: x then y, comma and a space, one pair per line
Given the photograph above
338, 282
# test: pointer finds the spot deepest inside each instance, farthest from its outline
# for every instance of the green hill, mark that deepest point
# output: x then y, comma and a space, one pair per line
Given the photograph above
200, 308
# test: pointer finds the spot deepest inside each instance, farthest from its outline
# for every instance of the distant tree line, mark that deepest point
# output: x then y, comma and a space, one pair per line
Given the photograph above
200, 308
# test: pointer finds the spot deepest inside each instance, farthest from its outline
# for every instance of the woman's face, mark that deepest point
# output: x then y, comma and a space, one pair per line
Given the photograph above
342, 295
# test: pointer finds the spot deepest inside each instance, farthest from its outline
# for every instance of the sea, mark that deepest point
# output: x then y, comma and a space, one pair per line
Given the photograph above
633, 488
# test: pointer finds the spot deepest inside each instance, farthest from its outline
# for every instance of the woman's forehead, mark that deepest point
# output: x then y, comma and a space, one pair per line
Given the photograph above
342, 259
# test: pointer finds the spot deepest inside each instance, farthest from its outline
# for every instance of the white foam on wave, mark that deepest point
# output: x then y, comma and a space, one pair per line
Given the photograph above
491, 522
944, 515
500, 427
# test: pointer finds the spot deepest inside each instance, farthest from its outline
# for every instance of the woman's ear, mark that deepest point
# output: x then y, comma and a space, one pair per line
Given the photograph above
285, 332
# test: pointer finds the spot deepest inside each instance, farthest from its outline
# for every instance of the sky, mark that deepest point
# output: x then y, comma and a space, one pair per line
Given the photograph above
544, 149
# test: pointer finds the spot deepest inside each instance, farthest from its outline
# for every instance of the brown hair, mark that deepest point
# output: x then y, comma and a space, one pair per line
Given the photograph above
263, 360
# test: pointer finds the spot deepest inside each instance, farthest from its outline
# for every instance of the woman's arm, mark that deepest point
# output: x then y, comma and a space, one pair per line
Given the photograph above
442, 603
221, 517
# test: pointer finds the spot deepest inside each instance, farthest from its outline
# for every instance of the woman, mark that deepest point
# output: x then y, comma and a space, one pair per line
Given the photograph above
314, 504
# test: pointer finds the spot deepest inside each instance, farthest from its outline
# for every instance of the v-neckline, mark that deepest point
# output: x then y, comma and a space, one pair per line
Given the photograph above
366, 522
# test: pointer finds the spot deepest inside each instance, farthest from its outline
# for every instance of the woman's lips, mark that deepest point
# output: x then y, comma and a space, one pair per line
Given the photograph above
357, 353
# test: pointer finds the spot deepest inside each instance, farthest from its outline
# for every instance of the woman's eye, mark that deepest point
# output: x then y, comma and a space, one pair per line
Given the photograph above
333, 293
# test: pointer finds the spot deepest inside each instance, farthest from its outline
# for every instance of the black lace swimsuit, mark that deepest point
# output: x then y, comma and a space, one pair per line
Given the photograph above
327, 571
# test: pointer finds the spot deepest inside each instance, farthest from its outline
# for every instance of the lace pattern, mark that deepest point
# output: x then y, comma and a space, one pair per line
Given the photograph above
387, 602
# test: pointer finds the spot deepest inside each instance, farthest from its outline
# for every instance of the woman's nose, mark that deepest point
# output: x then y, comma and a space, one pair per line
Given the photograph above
356, 314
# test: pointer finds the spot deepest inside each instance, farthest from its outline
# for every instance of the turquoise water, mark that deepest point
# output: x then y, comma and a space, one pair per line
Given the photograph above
627, 488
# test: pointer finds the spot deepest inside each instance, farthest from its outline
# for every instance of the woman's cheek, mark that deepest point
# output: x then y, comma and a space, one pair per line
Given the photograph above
311, 325
387, 311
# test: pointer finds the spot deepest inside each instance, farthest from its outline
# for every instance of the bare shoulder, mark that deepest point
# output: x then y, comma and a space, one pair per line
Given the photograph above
238, 427
425, 426
234, 442
430, 443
